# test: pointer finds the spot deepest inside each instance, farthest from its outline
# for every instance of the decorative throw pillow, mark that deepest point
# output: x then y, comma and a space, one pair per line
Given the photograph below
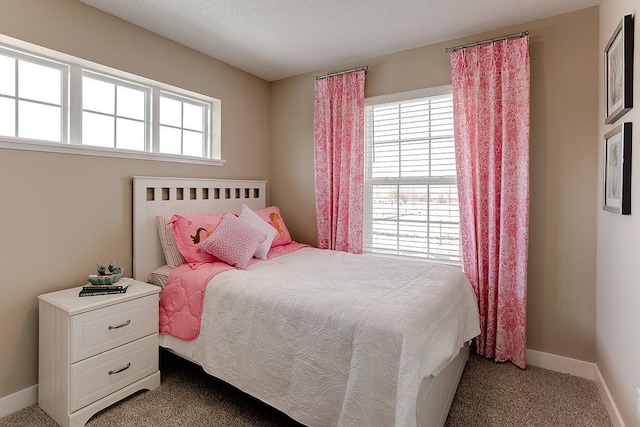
272, 216
172, 254
189, 231
233, 241
250, 217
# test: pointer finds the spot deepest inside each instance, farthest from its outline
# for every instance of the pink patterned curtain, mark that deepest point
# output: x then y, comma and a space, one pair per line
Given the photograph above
491, 119
339, 161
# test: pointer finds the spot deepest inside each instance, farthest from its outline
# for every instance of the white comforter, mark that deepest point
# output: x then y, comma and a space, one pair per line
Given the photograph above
332, 338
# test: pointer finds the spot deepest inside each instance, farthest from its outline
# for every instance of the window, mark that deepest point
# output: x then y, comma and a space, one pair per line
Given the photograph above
67, 104
183, 126
114, 113
32, 97
411, 197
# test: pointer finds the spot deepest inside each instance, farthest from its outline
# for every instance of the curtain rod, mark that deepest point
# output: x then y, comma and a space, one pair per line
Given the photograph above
365, 68
488, 41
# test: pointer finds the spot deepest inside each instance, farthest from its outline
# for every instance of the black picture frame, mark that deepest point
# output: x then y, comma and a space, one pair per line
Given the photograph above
618, 64
617, 170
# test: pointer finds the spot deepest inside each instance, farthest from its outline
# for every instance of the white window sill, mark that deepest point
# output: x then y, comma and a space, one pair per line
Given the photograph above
87, 150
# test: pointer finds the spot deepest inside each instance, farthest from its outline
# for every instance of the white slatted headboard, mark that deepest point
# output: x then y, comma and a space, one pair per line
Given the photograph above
158, 196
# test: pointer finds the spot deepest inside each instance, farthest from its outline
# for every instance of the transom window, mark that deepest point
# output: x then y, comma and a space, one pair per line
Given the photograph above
76, 103
183, 125
411, 197
114, 113
32, 98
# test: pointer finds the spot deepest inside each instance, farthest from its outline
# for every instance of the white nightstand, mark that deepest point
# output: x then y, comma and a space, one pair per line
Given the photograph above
96, 350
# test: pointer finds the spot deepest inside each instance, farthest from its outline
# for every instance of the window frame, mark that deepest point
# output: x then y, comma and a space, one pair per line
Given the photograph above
72, 108
147, 122
206, 121
18, 55
370, 182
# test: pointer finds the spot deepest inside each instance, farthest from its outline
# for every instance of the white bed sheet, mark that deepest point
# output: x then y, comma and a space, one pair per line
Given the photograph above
332, 338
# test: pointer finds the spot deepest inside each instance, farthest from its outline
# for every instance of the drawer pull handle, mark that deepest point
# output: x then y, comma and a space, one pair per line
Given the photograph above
120, 370
120, 326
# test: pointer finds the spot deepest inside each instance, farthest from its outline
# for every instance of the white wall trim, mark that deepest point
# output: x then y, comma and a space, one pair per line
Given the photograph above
89, 150
578, 368
18, 400
614, 414
566, 365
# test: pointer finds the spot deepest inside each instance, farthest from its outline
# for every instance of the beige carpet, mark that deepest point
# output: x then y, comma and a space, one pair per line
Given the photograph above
500, 394
490, 394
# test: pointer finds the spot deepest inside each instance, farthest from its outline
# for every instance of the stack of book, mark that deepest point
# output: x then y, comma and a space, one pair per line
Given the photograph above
92, 290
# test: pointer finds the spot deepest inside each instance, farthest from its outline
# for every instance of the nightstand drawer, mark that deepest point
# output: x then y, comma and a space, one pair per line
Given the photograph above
99, 376
99, 330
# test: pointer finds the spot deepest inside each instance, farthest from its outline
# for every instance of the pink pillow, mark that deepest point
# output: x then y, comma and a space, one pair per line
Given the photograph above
273, 218
233, 241
189, 231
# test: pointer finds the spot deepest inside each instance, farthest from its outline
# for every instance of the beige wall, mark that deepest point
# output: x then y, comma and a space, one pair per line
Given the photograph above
618, 262
564, 114
61, 213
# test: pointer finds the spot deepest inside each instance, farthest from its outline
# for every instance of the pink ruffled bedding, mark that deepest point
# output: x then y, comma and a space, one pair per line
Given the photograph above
183, 295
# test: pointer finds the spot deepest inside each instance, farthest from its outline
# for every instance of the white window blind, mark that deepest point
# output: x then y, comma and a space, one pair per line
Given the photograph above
411, 197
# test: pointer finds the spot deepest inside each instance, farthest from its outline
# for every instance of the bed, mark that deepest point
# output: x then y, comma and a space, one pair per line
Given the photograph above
310, 344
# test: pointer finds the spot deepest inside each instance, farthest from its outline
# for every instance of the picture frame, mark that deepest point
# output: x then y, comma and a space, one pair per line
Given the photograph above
618, 60
617, 170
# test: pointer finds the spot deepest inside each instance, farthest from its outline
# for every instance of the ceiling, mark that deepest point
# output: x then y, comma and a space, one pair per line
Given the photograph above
275, 39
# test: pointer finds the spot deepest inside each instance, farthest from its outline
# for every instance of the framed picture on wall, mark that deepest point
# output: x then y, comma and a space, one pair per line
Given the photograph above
618, 60
617, 170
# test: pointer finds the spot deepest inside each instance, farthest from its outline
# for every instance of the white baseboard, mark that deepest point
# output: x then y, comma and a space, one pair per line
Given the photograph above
616, 419
18, 400
578, 368
566, 365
